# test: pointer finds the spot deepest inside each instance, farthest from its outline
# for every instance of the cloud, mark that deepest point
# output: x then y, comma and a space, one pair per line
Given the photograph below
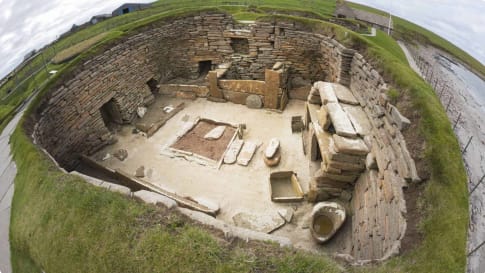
28, 25
460, 22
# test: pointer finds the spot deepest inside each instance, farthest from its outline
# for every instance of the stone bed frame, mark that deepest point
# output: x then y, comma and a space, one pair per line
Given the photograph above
69, 121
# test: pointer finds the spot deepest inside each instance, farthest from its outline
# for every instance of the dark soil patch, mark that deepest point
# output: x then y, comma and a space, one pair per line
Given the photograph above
413, 236
195, 142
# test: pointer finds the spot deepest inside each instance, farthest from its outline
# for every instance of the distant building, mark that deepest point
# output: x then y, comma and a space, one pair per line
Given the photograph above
372, 19
344, 11
30, 55
98, 18
129, 7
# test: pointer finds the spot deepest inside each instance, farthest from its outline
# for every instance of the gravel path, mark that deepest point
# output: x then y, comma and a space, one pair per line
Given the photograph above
464, 93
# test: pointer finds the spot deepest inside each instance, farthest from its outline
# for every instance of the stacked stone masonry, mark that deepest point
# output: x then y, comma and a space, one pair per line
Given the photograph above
70, 121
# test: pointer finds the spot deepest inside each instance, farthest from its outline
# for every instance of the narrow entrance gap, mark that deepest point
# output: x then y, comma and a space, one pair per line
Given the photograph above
204, 68
153, 85
126, 10
111, 115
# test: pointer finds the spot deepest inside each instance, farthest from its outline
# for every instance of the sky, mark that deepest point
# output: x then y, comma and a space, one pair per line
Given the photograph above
461, 22
30, 24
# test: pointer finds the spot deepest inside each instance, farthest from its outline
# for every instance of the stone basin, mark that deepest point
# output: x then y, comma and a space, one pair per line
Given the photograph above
327, 218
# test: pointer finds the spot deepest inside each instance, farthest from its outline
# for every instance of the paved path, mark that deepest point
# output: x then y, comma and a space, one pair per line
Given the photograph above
8, 170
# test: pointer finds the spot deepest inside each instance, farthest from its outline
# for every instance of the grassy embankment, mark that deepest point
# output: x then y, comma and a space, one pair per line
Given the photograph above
65, 225
411, 32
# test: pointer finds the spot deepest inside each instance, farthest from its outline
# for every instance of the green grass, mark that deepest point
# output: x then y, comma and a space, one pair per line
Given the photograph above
411, 32
71, 52
65, 225
389, 44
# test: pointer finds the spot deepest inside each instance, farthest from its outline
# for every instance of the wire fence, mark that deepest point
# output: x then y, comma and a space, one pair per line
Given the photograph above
445, 93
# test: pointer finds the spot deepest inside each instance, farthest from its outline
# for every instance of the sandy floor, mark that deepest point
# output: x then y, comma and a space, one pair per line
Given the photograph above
466, 94
235, 188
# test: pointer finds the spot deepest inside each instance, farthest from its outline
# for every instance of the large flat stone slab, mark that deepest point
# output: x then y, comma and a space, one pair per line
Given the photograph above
327, 94
359, 119
247, 152
344, 94
215, 133
266, 223
340, 120
233, 151
350, 146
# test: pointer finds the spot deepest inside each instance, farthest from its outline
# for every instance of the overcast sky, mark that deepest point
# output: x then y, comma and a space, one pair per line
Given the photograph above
30, 24
461, 22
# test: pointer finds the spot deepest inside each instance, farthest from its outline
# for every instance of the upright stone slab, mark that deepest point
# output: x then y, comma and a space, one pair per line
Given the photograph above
327, 94
214, 90
272, 79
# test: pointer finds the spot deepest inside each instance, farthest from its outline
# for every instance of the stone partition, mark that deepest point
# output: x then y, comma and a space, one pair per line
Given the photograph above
71, 121
74, 115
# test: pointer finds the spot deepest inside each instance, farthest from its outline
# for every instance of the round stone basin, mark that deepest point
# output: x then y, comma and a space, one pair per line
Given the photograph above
327, 218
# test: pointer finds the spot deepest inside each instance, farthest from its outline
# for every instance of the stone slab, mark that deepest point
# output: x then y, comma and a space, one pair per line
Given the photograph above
359, 119
344, 95
323, 118
233, 151
327, 94
350, 146
116, 188
254, 102
215, 133
247, 152
272, 148
155, 198
266, 223
401, 121
340, 120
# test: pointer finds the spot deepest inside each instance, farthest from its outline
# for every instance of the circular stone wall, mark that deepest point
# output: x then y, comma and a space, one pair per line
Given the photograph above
118, 79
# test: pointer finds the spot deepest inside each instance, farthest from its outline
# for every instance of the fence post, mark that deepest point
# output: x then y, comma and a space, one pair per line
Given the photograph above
456, 122
468, 144
478, 184
476, 248
448, 105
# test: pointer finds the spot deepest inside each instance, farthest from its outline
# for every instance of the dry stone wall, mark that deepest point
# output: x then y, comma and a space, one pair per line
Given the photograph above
71, 123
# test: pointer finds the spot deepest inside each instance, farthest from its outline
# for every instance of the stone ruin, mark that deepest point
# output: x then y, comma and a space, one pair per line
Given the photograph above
352, 133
